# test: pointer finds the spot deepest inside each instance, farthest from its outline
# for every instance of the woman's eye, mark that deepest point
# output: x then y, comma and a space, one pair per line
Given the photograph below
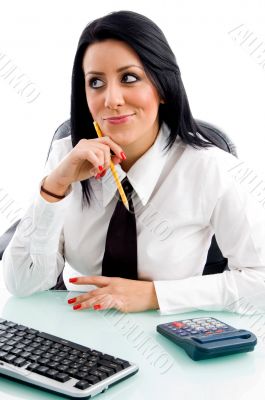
95, 83
129, 78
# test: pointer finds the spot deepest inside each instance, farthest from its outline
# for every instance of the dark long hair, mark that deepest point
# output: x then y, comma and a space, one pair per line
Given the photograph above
159, 62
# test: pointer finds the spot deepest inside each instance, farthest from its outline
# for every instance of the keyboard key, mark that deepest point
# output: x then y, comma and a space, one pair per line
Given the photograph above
72, 371
82, 375
2, 354
106, 370
90, 364
20, 362
43, 361
3, 328
9, 358
6, 348
111, 365
85, 369
33, 366
32, 331
41, 370
105, 357
33, 358
62, 377
52, 364
99, 374
92, 379
22, 328
16, 351
82, 384
51, 373
95, 353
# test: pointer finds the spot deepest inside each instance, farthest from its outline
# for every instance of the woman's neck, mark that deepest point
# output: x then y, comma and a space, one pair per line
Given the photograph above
137, 149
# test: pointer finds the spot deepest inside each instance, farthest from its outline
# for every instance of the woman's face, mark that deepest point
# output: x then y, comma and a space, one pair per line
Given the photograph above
120, 96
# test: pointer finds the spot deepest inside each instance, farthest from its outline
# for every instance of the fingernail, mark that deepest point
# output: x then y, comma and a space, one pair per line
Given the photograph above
123, 156
77, 306
70, 301
98, 176
97, 307
102, 174
73, 280
101, 168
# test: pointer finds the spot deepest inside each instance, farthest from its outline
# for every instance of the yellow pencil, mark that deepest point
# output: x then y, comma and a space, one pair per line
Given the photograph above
114, 172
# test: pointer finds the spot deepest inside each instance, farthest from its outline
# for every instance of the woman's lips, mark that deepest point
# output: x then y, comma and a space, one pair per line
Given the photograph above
119, 120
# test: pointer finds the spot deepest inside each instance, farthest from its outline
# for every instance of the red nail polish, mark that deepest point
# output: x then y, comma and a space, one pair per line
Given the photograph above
73, 300
101, 168
102, 174
98, 176
77, 306
123, 156
73, 280
97, 307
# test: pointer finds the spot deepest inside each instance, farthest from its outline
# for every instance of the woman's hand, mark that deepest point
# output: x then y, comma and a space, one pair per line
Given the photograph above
125, 295
90, 157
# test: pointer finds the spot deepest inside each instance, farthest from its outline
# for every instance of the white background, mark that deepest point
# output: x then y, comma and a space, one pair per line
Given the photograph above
224, 82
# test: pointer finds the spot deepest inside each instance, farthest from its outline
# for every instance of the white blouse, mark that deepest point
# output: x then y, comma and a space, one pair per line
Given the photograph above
183, 197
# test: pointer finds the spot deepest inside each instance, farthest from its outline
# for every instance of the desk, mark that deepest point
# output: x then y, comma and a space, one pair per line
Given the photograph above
165, 370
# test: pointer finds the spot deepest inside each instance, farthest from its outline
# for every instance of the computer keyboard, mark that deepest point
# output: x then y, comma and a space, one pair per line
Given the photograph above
55, 364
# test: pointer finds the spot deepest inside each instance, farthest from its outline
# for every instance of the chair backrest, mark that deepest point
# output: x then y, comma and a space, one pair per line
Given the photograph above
215, 263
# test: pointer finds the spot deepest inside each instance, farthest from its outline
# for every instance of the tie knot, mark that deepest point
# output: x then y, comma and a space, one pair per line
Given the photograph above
127, 187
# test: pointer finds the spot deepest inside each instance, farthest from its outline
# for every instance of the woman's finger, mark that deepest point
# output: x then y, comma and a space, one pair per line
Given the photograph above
98, 302
84, 297
99, 281
114, 147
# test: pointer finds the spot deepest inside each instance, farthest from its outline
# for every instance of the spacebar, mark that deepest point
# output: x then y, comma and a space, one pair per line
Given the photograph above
64, 342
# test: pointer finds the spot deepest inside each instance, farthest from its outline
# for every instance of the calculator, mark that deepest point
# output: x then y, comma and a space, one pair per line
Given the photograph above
206, 337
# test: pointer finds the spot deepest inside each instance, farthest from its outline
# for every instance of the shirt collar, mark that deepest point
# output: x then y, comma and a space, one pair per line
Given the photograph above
143, 175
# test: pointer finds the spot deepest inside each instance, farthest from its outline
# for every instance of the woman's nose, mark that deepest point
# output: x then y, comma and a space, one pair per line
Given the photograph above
113, 97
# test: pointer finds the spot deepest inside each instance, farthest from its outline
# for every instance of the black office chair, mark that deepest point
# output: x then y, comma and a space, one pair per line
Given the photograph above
215, 263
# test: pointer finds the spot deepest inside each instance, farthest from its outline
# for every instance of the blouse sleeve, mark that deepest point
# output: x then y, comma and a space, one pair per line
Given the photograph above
238, 222
34, 257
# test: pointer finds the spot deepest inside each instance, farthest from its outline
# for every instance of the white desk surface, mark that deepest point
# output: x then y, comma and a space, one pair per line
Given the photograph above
235, 377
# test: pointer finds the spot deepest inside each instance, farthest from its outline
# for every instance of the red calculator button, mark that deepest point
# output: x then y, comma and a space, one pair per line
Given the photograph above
219, 331
178, 324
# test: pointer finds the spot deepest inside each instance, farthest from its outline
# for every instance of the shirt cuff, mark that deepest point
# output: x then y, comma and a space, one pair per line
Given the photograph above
184, 295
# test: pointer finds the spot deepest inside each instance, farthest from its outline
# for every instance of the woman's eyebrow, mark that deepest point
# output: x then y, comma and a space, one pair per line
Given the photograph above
118, 70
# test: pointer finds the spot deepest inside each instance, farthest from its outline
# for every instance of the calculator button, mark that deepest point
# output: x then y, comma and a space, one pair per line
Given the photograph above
178, 324
199, 319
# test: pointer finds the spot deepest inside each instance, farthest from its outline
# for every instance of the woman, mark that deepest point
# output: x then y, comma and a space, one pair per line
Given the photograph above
126, 78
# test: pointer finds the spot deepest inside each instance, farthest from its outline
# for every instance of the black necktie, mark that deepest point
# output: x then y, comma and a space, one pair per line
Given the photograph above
120, 258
